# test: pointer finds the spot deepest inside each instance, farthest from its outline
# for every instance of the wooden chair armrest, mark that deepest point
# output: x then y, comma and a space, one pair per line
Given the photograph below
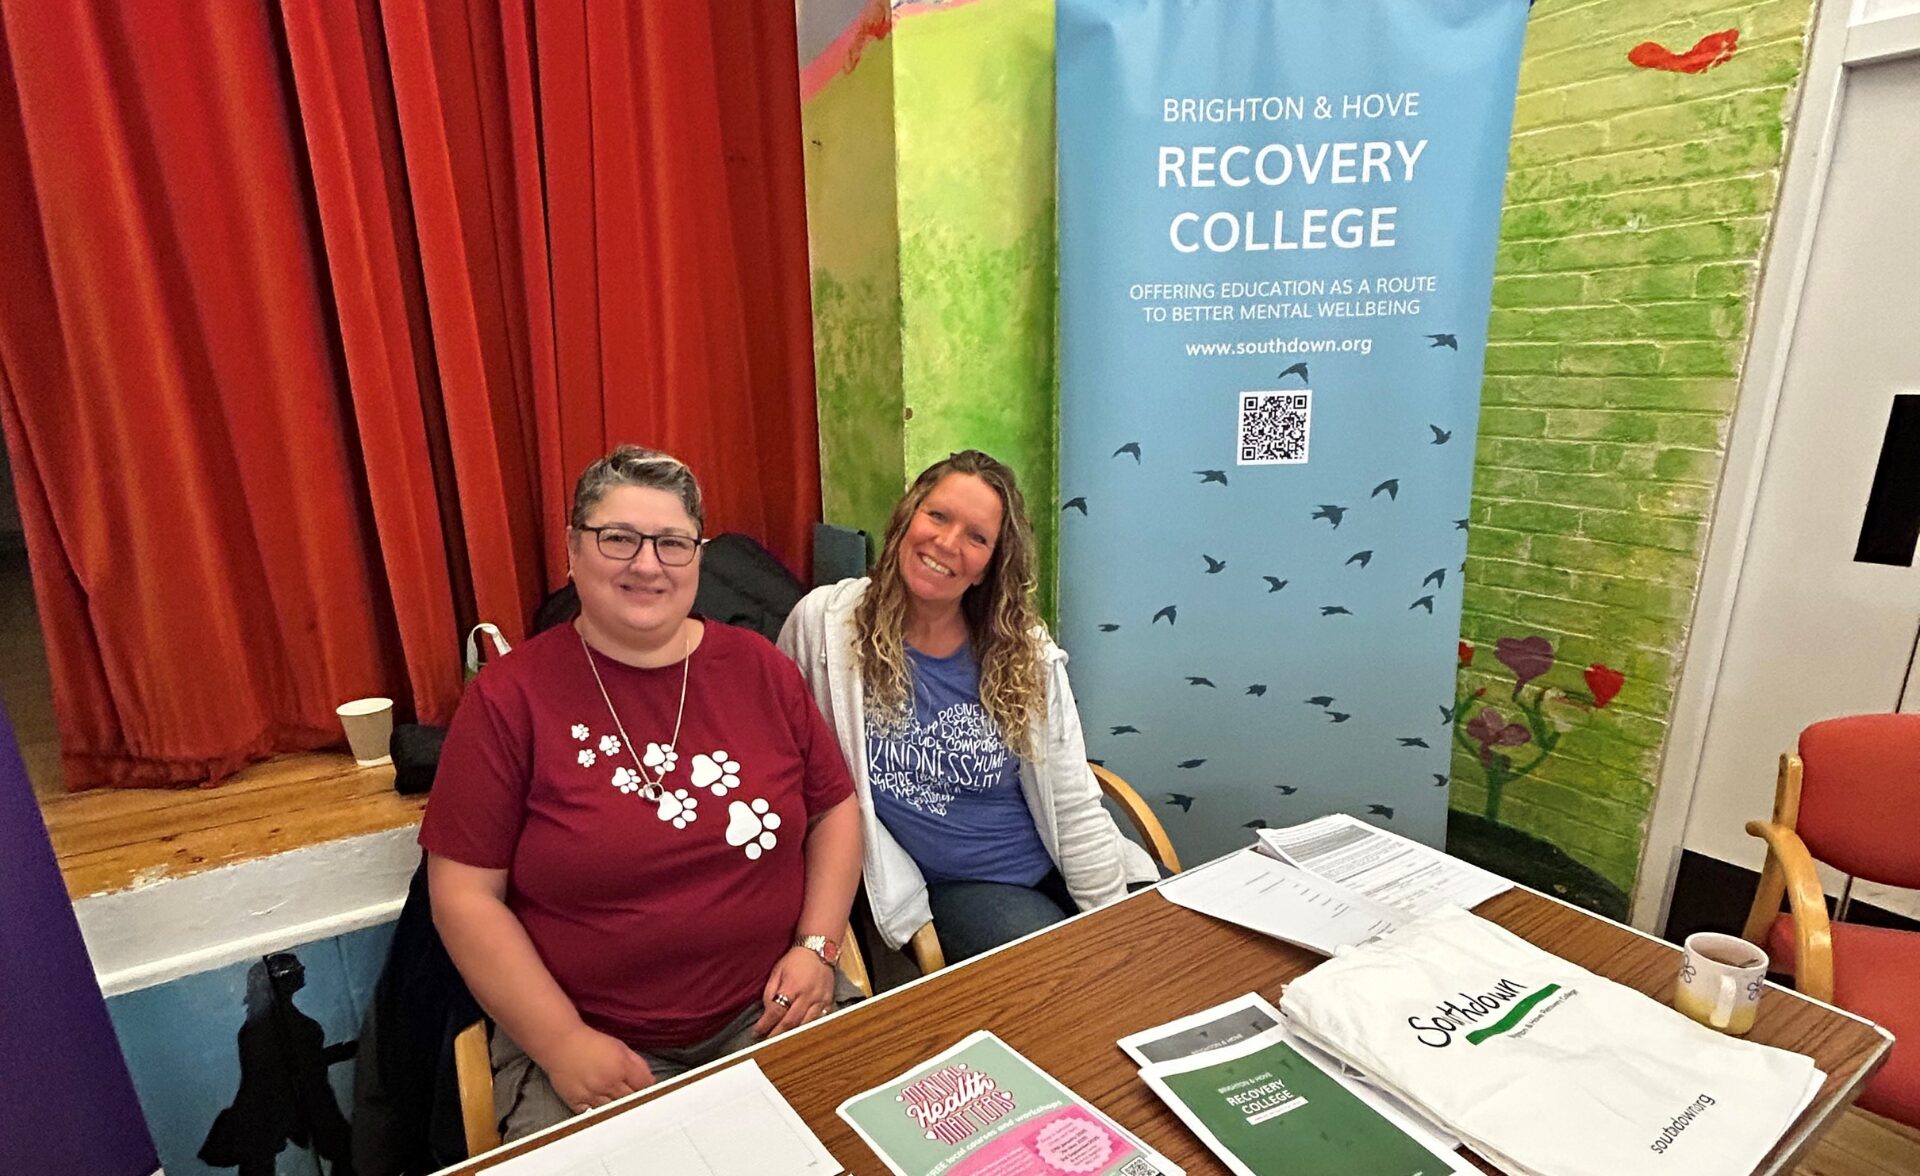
924, 947
1151, 831
1790, 868
853, 965
473, 1070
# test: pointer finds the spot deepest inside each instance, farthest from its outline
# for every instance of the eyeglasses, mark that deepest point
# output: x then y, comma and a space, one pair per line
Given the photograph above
623, 543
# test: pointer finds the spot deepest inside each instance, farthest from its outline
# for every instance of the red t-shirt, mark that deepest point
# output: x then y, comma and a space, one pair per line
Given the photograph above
660, 922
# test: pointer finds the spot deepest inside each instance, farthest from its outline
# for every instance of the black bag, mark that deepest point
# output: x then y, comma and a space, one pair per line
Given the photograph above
415, 748
741, 583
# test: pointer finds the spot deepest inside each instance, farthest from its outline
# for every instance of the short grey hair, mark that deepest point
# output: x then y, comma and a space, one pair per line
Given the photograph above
632, 465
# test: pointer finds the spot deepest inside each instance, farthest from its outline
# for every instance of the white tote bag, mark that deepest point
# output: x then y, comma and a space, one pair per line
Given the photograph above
1541, 1065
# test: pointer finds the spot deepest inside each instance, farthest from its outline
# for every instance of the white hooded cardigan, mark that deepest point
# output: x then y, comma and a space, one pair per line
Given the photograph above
1062, 794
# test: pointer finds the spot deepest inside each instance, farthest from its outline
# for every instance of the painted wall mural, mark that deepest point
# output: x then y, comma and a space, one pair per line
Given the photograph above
284, 1095
1645, 162
846, 115
930, 195
1509, 735
974, 98
248, 1068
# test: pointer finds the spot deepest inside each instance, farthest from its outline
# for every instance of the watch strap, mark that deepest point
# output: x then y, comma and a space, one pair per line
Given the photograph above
826, 948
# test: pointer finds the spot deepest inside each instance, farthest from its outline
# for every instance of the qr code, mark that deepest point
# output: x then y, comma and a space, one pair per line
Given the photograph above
1138, 1166
1274, 427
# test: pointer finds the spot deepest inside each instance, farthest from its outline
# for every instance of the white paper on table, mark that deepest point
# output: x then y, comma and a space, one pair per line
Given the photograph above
1385, 867
730, 1123
1245, 1017
1273, 898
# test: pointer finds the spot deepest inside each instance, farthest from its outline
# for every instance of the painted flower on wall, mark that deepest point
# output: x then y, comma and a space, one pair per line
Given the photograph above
1540, 716
1527, 657
1491, 729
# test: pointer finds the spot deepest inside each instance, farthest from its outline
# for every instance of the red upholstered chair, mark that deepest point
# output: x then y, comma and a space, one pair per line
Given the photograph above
1851, 799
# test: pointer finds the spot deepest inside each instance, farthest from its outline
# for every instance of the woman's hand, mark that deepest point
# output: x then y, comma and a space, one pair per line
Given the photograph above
590, 1069
806, 982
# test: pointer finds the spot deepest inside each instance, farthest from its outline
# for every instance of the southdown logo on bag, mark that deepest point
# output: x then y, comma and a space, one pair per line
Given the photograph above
1453, 1016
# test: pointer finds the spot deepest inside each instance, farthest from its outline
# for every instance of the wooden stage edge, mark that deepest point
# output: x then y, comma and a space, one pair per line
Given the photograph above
112, 839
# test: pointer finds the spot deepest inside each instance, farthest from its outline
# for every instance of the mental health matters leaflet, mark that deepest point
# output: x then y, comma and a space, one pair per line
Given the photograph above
980, 1109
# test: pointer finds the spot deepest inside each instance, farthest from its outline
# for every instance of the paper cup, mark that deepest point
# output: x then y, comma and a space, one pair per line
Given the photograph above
369, 726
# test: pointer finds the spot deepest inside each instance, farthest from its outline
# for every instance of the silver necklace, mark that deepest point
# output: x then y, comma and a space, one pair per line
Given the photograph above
651, 787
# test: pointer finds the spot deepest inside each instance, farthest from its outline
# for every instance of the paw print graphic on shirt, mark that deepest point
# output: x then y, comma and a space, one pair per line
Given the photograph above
661, 756
586, 757
718, 771
626, 780
751, 826
609, 745
678, 806
580, 732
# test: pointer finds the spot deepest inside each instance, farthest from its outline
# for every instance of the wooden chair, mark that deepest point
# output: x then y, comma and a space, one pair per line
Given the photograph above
1849, 799
924, 946
473, 1061
473, 1068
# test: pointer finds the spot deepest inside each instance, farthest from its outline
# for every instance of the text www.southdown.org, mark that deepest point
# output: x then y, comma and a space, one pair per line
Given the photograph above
1281, 346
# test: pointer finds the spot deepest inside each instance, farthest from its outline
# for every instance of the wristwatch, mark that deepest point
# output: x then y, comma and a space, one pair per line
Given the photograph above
820, 945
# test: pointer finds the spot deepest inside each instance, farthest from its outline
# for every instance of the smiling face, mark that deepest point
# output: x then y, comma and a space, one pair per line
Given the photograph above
637, 602
949, 543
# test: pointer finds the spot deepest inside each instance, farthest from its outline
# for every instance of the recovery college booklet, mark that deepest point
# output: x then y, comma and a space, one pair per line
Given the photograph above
980, 1109
1267, 1108
1245, 1017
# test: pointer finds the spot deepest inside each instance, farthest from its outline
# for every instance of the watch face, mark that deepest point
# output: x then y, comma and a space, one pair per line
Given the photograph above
830, 951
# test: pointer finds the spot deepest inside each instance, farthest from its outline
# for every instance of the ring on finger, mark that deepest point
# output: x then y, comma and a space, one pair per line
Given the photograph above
783, 1000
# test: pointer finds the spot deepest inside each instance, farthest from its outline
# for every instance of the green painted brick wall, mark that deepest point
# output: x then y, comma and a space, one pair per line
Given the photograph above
931, 229
1637, 206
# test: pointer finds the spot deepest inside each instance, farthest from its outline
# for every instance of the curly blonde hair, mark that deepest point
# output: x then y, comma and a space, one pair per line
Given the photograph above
1002, 626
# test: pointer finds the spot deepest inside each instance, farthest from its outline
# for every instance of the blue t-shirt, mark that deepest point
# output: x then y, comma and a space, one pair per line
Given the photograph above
946, 785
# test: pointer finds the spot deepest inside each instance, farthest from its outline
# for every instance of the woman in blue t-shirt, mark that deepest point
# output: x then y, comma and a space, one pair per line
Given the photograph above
952, 706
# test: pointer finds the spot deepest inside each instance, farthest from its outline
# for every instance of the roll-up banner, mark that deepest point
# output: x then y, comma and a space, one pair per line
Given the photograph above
1277, 232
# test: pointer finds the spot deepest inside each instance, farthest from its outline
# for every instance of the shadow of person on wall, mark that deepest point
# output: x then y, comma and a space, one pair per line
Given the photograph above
284, 1096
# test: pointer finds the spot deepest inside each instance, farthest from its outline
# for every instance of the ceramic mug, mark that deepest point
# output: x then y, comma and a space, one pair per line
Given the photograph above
1720, 981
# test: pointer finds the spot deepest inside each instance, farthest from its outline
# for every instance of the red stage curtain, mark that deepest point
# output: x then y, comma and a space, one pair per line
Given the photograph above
316, 309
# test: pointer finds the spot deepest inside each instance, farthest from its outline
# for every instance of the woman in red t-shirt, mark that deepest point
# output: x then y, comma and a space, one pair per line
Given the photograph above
641, 842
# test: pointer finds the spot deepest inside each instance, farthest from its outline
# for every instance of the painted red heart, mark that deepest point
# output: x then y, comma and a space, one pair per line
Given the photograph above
1711, 50
1604, 682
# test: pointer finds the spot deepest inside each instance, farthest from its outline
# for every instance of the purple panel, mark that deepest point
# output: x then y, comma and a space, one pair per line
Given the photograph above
67, 1106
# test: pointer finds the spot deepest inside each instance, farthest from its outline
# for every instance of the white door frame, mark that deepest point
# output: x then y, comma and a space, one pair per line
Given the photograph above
1841, 41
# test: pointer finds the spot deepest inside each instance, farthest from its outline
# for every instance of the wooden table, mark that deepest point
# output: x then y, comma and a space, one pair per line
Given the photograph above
1064, 997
